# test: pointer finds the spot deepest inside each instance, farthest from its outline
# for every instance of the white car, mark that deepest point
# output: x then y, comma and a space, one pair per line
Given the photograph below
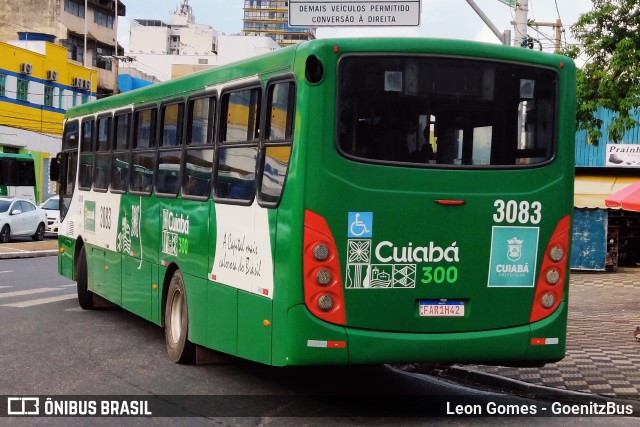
52, 209
20, 217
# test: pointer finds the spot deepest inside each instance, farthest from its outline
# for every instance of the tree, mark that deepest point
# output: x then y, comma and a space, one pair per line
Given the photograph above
609, 36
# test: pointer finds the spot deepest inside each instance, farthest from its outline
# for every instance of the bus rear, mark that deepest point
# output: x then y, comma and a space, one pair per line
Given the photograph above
437, 203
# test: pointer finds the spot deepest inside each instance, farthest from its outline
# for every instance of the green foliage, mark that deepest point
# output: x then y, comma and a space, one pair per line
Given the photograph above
610, 39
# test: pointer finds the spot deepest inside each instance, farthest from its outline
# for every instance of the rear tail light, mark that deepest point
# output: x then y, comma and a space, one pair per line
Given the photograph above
551, 282
323, 293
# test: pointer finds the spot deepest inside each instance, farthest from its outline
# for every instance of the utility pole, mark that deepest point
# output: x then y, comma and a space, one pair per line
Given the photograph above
558, 30
520, 27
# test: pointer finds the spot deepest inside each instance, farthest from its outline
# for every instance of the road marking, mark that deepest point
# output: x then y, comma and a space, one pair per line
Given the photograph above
40, 301
6, 271
2, 287
27, 292
67, 286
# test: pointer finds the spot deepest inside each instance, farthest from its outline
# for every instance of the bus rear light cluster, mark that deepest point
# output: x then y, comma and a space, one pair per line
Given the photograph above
323, 294
551, 282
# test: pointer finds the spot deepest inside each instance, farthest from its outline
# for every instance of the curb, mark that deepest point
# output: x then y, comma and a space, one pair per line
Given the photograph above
511, 385
29, 254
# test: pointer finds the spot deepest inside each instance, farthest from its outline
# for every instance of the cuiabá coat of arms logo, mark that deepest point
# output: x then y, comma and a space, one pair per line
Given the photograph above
514, 251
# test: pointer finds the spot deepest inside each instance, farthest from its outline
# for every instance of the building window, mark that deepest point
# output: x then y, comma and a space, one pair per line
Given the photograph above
48, 96
74, 8
23, 89
3, 84
75, 49
101, 58
103, 19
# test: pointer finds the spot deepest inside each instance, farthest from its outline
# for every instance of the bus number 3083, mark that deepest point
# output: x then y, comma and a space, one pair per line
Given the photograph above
512, 211
105, 217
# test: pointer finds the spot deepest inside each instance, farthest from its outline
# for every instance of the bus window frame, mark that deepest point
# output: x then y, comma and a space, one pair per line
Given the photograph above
81, 152
221, 129
107, 152
160, 148
115, 151
265, 142
153, 107
210, 143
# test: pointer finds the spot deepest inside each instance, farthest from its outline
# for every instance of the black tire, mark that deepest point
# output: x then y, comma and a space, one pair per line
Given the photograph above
39, 234
5, 234
85, 296
176, 323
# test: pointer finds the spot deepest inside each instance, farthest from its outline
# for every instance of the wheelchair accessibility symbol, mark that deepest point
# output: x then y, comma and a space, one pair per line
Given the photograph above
360, 224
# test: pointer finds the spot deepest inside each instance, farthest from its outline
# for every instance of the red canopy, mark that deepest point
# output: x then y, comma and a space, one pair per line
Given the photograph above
628, 198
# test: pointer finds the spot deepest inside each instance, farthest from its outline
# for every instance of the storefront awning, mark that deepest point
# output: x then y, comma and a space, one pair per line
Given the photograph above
627, 198
591, 191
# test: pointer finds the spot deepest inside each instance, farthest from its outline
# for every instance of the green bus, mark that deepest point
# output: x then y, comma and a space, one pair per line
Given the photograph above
344, 201
17, 176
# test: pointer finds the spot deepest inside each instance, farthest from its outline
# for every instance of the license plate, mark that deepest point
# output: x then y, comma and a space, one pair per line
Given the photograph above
441, 309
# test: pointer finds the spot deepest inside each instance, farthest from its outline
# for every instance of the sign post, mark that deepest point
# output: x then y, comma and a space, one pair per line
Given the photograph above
353, 13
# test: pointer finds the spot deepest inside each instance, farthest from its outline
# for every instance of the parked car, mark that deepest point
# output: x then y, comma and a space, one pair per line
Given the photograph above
52, 208
20, 217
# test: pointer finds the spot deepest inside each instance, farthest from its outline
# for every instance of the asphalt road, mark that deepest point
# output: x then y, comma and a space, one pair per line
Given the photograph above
51, 347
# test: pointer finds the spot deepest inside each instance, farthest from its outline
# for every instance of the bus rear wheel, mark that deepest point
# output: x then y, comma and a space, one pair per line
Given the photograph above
85, 296
176, 320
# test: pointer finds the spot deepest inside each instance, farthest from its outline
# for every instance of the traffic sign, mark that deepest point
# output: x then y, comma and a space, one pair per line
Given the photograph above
353, 13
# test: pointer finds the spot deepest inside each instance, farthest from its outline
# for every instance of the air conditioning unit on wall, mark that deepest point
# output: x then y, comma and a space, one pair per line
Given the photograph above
25, 68
52, 75
86, 84
77, 82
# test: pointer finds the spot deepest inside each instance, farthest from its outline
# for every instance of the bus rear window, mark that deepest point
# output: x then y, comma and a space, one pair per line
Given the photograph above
453, 112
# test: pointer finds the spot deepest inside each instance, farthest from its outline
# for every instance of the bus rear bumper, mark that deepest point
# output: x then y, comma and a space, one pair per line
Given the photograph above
318, 343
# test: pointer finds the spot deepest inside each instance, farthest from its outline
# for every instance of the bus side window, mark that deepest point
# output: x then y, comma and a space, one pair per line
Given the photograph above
103, 157
143, 159
198, 160
86, 155
276, 151
170, 151
121, 155
237, 152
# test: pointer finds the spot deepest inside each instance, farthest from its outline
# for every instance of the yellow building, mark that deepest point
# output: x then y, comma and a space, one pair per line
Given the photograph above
37, 85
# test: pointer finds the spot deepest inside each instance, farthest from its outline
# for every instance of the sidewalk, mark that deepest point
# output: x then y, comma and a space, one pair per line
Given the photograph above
26, 248
603, 356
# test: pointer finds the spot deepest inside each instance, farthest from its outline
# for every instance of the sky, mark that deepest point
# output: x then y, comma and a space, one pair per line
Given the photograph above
439, 18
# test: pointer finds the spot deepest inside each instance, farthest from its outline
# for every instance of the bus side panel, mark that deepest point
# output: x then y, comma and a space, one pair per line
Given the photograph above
65, 256
196, 289
136, 286
113, 276
254, 327
222, 318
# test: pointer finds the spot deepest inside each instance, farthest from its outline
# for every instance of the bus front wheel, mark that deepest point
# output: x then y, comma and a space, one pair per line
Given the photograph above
176, 321
85, 296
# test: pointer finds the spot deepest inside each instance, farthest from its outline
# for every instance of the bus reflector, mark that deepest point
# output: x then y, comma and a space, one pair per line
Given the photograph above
549, 288
544, 341
323, 293
326, 344
448, 202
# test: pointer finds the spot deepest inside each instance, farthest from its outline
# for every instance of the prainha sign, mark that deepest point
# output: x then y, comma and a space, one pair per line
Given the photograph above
354, 13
